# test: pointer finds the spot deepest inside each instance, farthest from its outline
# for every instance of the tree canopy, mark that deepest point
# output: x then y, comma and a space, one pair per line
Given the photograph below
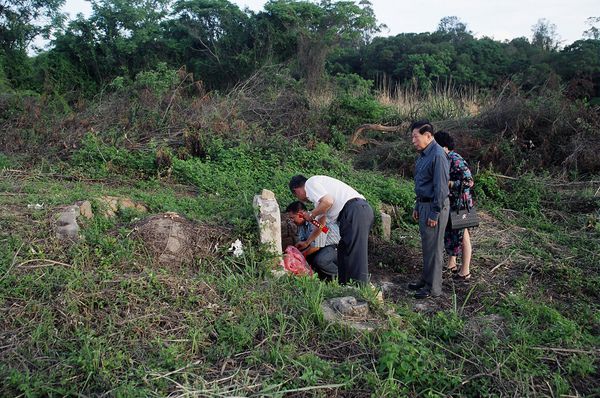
222, 44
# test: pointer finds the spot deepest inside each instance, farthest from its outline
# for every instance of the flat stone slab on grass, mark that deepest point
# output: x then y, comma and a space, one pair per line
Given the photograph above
350, 312
113, 204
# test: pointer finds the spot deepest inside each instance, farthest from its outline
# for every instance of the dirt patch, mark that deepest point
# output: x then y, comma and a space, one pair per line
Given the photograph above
174, 240
393, 265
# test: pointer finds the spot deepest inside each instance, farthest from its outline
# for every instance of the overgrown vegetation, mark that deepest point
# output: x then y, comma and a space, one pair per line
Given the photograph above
101, 316
196, 106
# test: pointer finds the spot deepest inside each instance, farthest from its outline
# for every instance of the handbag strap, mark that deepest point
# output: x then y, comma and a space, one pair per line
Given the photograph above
460, 196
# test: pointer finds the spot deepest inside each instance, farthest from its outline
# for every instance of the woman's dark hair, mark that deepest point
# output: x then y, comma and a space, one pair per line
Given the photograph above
423, 126
444, 139
295, 207
297, 181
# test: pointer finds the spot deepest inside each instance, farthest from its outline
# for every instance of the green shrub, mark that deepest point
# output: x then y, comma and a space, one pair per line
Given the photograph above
526, 194
101, 160
353, 85
487, 189
347, 112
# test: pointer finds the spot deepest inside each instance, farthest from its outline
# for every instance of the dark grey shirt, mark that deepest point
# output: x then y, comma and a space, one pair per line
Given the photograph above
431, 177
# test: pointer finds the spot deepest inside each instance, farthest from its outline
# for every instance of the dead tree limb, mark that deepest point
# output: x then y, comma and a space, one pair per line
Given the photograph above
358, 140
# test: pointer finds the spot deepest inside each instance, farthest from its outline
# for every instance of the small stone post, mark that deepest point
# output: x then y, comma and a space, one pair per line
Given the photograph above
386, 226
269, 220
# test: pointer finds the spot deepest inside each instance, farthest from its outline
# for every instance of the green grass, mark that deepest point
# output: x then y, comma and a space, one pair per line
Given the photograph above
100, 317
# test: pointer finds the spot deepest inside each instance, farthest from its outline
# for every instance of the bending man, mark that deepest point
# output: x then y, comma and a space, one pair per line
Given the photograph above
336, 201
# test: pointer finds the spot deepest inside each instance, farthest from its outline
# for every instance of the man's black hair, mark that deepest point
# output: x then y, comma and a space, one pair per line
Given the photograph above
423, 126
295, 207
444, 139
297, 181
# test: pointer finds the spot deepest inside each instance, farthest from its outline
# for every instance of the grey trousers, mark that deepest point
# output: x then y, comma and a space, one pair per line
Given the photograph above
432, 241
355, 220
324, 262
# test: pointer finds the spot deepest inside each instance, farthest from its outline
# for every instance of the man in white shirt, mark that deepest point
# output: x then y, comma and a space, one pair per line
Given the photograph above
338, 202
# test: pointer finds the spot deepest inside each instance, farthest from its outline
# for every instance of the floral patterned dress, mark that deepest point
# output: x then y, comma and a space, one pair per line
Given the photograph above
460, 197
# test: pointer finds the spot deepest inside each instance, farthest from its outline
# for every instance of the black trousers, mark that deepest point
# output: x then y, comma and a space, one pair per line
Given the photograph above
355, 221
324, 262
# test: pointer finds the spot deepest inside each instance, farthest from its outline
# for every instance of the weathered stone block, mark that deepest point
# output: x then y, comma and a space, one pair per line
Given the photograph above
66, 225
268, 217
386, 226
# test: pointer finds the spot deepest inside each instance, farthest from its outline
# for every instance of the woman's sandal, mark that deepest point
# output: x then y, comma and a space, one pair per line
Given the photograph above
464, 278
453, 270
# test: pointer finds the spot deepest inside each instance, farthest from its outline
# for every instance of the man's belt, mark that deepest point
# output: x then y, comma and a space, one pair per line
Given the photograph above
425, 200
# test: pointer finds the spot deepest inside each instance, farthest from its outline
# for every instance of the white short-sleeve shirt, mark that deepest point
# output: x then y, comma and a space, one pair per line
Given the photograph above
318, 186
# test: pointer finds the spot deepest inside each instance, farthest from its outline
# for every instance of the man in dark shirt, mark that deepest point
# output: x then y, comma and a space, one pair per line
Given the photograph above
431, 208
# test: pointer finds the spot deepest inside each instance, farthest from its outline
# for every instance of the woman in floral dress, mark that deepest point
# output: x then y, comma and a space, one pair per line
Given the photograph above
457, 241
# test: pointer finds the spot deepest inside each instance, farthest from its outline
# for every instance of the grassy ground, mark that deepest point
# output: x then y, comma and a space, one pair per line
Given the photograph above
101, 318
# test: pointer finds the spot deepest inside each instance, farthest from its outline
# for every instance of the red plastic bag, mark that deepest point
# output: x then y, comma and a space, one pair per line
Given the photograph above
294, 262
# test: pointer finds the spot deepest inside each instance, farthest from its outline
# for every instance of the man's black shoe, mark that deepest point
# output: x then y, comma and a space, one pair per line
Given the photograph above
422, 293
416, 285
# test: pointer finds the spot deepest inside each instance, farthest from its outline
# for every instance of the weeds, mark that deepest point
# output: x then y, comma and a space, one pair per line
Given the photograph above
101, 317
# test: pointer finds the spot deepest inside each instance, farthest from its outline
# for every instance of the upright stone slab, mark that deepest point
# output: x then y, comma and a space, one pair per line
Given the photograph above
386, 226
66, 227
269, 220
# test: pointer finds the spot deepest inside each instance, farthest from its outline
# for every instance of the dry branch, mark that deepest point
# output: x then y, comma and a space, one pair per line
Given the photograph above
357, 140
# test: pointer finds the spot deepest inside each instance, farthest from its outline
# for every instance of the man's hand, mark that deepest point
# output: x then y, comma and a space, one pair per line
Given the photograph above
307, 215
415, 215
302, 245
431, 223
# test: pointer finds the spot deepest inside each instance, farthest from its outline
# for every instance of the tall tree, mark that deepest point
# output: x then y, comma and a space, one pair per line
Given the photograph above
121, 37
545, 35
311, 31
20, 23
214, 38
452, 25
593, 32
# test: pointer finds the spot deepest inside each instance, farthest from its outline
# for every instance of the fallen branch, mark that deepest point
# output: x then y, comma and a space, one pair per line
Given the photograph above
356, 140
506, 260
48, 263
503, 176
568, 350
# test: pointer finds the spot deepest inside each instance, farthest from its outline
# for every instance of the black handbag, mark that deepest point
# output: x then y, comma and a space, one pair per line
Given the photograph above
464, 218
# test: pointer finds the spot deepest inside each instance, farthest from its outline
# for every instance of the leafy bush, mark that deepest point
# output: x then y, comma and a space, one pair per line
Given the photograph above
347, 112
101, 160
487, 189
353, 85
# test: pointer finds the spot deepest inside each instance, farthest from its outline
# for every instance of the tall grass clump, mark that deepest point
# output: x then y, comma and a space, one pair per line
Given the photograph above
443, 101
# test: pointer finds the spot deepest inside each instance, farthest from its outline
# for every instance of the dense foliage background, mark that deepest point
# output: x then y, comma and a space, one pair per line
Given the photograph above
194, 106
298, 68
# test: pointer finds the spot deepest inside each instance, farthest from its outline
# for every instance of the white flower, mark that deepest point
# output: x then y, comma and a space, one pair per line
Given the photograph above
237, 248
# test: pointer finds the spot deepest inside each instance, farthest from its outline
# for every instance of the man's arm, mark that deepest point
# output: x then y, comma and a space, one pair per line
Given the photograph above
313, 235
310, 250
323, 206
441, 171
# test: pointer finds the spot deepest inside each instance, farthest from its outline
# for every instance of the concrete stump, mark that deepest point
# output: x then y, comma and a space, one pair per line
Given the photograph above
386, 226
268, 217
66, 225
